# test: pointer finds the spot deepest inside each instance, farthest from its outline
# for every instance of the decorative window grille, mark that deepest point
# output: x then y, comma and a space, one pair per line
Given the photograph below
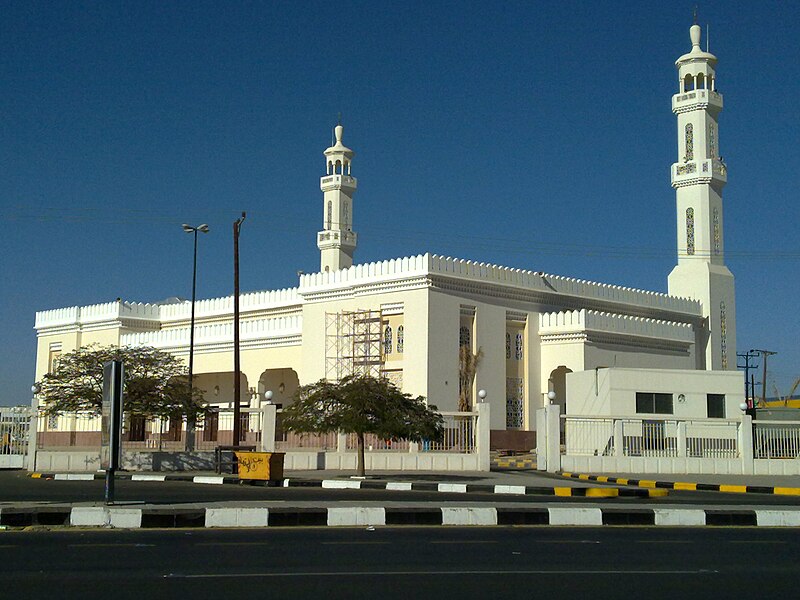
345, 216
712, 140
464, 337
400, 339
52, 422
387, 340
690, 231
689, 141
518, 347
723, 334
508, 346
717, 232
514, 399
686, 169
330, 215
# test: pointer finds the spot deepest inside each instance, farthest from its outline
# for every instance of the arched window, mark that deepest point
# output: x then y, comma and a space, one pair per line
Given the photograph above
689, 230
330, 168
338, 167
701, 82
400, 340
387, 340
329, 220
518, 347
689, 141
688, 83
508, 346
464, 337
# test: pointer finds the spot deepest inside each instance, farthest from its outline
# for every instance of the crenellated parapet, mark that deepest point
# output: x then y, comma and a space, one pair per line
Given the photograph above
107, 314
432, 270
257, 333
588, 323
223, 307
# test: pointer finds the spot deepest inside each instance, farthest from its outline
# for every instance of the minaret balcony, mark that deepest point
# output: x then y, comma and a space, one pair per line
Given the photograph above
695, 172
336, 238
337, 182
696, 100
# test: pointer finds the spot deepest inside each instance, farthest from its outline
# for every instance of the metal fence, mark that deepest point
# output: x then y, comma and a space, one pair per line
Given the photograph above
651, 437
776, 439
82, 430
15, 425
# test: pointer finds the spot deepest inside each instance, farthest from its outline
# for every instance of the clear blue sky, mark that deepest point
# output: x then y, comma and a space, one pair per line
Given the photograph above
534, 135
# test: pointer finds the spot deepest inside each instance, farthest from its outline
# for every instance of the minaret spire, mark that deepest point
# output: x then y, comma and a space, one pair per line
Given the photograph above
698, 178
337, 240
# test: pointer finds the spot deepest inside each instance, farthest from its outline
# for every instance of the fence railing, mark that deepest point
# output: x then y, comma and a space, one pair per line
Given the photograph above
14, 427
776, 439
651, 437
82, 431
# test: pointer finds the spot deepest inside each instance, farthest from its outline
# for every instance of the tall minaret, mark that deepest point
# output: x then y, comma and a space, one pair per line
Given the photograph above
698, 178
337, 240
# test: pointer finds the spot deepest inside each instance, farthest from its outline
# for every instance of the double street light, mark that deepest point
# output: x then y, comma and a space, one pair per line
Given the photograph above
190, 422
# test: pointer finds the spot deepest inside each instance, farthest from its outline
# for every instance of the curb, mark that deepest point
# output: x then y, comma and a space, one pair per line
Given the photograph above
514, 463
682, 485
363, 484
370, 516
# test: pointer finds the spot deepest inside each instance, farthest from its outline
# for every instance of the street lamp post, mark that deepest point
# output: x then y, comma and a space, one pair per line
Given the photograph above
190, 420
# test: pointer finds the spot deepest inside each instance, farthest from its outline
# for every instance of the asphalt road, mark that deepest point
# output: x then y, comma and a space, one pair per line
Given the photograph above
441, 563
16, 486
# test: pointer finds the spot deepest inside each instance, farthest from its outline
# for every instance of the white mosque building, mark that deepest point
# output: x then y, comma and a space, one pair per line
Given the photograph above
407, 318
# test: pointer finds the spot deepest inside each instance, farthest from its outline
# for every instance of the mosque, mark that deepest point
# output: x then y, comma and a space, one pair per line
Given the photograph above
421, 321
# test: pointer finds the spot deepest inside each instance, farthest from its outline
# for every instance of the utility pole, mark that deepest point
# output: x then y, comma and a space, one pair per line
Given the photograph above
751, 399
764, 354
237, 383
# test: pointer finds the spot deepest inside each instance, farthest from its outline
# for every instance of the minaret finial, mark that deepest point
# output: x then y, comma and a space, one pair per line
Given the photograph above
339, 119
695, 14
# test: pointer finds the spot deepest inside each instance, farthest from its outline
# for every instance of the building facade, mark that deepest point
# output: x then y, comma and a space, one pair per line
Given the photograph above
408, 318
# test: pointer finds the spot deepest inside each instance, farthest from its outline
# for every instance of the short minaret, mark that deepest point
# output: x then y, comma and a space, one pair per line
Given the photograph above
698, 178
337, 241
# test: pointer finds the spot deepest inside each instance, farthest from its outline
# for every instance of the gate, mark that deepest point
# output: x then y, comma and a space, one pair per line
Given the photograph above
15, 425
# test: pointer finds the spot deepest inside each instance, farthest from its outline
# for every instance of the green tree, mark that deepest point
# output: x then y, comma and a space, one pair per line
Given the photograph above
156, 383
362, 404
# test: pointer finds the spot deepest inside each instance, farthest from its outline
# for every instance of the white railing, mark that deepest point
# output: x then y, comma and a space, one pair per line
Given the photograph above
590, 436
652, 437
712, 438
15, 424
776, 439
460, 431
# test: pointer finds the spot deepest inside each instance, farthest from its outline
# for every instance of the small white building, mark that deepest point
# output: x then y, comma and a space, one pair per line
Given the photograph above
406, 318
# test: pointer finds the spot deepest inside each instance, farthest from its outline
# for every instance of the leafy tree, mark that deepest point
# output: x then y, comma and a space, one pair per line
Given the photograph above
156, 383
362, 404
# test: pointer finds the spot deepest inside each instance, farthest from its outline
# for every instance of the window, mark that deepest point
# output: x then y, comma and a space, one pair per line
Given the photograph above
518, 347
689, 142
400, 340
515, 392
330, 215
387, 340
464, 337
651, 402
716, 406
508, 346
689, 230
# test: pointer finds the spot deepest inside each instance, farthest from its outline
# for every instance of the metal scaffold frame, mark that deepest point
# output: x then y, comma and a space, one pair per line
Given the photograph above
353, 344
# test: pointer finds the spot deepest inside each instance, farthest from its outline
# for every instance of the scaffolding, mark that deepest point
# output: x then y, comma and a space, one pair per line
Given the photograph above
353, 344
